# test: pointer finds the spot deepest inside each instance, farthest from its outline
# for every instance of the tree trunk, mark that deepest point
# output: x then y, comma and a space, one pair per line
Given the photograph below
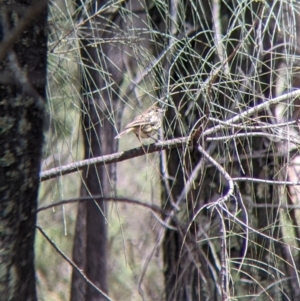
103, 70
90, 245
22, 94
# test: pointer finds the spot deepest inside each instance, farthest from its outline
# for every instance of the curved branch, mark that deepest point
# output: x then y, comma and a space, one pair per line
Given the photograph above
224, 174
107, 199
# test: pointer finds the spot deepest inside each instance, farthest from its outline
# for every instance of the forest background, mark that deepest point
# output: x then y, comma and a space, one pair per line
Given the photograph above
208, 212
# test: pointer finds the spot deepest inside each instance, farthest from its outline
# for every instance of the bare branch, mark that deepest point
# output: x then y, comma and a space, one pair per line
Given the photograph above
106, 199
112, 158
72, 263
223, 172
254, 110
161, 145
242, 179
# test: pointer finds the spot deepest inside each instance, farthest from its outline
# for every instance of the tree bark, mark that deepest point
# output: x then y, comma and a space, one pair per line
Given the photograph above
22, 94
102, 73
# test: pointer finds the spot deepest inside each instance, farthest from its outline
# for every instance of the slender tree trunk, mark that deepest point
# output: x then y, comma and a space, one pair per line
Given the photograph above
90, 246
102, 73
118, 37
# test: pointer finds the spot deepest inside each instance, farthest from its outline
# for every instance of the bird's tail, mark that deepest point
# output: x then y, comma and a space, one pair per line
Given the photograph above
120, 135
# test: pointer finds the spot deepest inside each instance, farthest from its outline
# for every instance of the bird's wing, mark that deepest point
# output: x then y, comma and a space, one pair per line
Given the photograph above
136, 122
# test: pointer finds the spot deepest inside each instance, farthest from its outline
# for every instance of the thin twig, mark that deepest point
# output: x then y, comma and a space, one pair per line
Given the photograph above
106, 199
189, 184
72, 263
295, 139
223, 172
244, 126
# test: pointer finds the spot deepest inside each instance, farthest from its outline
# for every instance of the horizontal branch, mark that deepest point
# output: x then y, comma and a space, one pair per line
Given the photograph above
113, 158
254, 110
265, 181
288, 138
161, 145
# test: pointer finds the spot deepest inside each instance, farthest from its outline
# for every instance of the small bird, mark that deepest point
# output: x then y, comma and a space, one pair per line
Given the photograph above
144, 125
